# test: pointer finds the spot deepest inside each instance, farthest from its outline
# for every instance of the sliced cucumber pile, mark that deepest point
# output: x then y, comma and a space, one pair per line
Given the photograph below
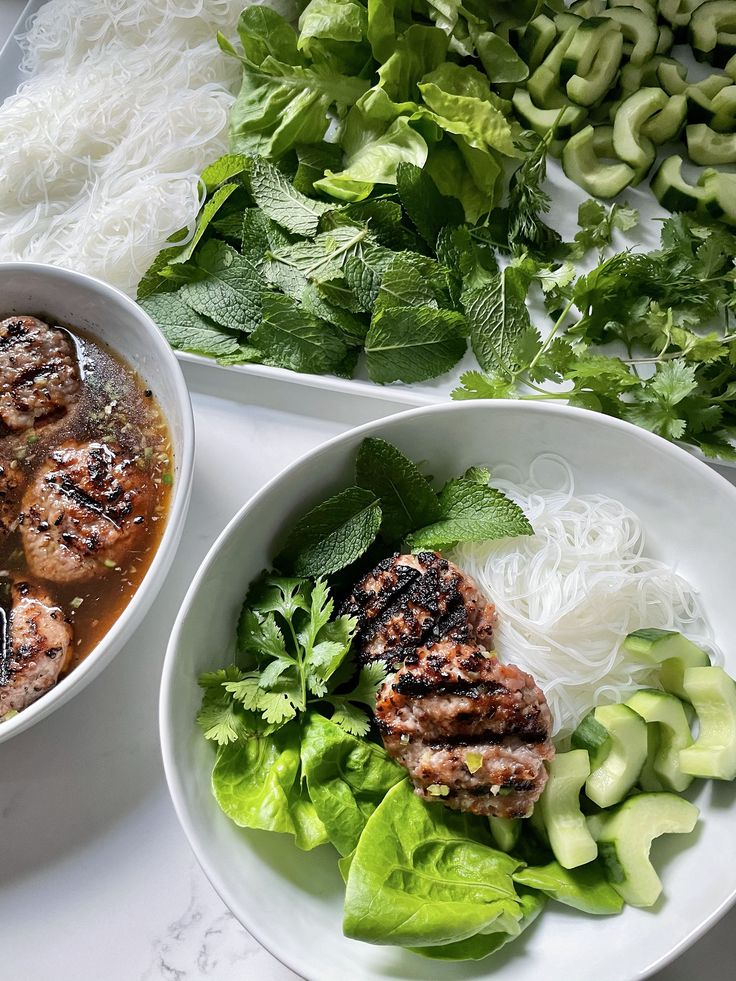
601, 73
617, 789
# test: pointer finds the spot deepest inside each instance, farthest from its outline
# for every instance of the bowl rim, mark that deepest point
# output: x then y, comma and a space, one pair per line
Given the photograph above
174, 778
120, 631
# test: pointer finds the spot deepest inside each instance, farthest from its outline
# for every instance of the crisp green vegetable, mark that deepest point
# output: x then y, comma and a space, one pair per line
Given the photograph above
559, 807
617, 753
584, 888
393, 501
713, 694
669, 726
420, 878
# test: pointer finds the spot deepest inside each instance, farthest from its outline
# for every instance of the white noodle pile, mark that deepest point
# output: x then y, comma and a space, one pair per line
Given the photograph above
102, 146
568, 595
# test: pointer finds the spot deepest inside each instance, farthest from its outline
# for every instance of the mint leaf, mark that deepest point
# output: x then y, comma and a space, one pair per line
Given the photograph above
185, 329
289, 337
206, 215
429, 210
353, 328
501, 334
332, 535
363, 273
229, 290
471, 512
412, 281
292, 267
280, 201
406, 496
224, 169
412, 344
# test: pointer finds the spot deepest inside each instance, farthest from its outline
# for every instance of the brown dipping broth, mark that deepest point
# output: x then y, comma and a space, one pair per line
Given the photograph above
114, 407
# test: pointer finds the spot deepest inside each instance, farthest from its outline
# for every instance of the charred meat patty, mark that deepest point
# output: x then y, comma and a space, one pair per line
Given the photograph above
35, 646
472, 732
408, 601
39, 373
12, 479
85, 509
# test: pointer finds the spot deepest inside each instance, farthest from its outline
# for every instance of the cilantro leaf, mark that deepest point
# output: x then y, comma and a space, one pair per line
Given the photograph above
221, 718
471, 512
476, 385
406, 497
597, 223
412, 344
333, 534
346, 714
228, 289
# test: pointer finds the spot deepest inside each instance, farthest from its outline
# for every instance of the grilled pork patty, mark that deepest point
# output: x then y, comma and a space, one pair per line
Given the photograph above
35, 646
39, 374
472, 732
85, 509
410, 600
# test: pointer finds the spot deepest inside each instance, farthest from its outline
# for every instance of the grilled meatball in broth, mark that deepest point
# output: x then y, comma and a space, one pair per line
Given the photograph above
39, 373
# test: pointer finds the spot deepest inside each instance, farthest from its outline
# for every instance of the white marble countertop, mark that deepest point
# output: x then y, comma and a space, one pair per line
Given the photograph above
96, 877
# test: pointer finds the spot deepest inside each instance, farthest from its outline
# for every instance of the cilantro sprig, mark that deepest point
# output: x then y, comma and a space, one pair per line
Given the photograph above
296, 656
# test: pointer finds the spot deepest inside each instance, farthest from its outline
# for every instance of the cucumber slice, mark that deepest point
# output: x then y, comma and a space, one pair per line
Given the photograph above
674, 193
585, 90
707, 22
585, 46
639, 29
582, 163
705, 146
730, 68
587, 8
666, 124
670, 650
672, 76
724, 110
720, 198
625, 838
665, 41
614, 776
630, 144
536, 40
542, 120
649, 7
505, 832
568, 833
713, 754
544, 84
666, 715
678, 14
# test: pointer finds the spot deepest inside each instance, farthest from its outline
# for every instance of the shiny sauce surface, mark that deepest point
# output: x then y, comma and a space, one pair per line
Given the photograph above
114, 407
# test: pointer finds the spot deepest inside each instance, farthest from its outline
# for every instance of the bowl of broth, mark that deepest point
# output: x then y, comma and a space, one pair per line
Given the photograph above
96, 462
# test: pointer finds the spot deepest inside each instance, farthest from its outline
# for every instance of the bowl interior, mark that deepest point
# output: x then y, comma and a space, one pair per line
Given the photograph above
111, 317
689, 514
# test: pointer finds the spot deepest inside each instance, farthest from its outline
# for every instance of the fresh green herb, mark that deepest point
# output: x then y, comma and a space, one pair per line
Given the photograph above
332, 535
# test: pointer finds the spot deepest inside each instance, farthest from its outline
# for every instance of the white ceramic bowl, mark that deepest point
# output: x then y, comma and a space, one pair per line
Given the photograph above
291, 901
109, 316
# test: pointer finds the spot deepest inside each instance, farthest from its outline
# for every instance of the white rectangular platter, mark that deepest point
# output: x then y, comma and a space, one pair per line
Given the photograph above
96, 877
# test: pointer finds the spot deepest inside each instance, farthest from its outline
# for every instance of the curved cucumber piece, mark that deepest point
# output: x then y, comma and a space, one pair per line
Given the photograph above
638, 28
705, 146
542, 120
544, 85
536, 40
630, 144
581, 161
665, 41
585, 90
672, 76
720, 195
569, 838
666, 715
612, 778
582, 51
708, 22
667, 123
505, 832
674, 193
723, 105
713, 754
625, 838
670, 650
